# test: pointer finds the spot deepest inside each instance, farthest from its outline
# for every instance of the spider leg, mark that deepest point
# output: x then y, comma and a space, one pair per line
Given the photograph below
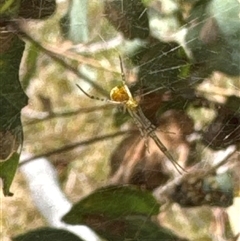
124, 79
144, 124
143, 134
146, 128
166, 152
89, 96
122, 70
97, 98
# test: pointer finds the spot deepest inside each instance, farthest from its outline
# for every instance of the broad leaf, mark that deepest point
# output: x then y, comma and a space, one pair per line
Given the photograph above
134, 228
119, 213
12, 100
7, 172
47, 234
113, 202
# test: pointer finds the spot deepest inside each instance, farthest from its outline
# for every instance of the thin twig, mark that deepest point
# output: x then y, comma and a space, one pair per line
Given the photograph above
37, 117
18, 27
98, 47
195, 171
74, 145
79, 58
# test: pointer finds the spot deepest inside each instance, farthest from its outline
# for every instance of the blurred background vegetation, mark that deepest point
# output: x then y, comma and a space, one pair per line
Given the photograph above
184, 53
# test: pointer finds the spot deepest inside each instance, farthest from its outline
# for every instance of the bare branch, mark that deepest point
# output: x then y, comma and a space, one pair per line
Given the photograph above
74, 145
196, 171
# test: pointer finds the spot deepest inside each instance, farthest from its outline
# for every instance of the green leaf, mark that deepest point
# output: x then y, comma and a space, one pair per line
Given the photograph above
113, 202
9, 7
47, 234
134, 229
120, 213
7, 171
37, 9
12, 97
12, 100
214, 39
134, 18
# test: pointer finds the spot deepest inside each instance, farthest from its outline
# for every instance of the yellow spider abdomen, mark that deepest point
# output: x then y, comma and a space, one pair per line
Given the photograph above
119, 94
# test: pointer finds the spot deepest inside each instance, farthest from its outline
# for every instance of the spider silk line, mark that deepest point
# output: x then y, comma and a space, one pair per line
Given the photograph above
121, 95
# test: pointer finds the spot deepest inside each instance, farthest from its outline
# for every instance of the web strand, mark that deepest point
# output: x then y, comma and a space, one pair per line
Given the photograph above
146, 128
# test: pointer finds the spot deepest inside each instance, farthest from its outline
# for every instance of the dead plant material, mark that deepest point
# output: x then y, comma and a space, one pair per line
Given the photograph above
132, 163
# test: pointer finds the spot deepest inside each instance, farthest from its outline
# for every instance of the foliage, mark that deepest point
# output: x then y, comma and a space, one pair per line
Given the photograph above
119, 213
47, 234
12, 97
12, 100
176, 77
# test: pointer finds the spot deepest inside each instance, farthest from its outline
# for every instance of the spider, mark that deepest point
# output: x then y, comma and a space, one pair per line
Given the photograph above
121, 95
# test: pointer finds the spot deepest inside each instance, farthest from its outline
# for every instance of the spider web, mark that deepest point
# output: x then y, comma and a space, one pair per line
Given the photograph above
168, 85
